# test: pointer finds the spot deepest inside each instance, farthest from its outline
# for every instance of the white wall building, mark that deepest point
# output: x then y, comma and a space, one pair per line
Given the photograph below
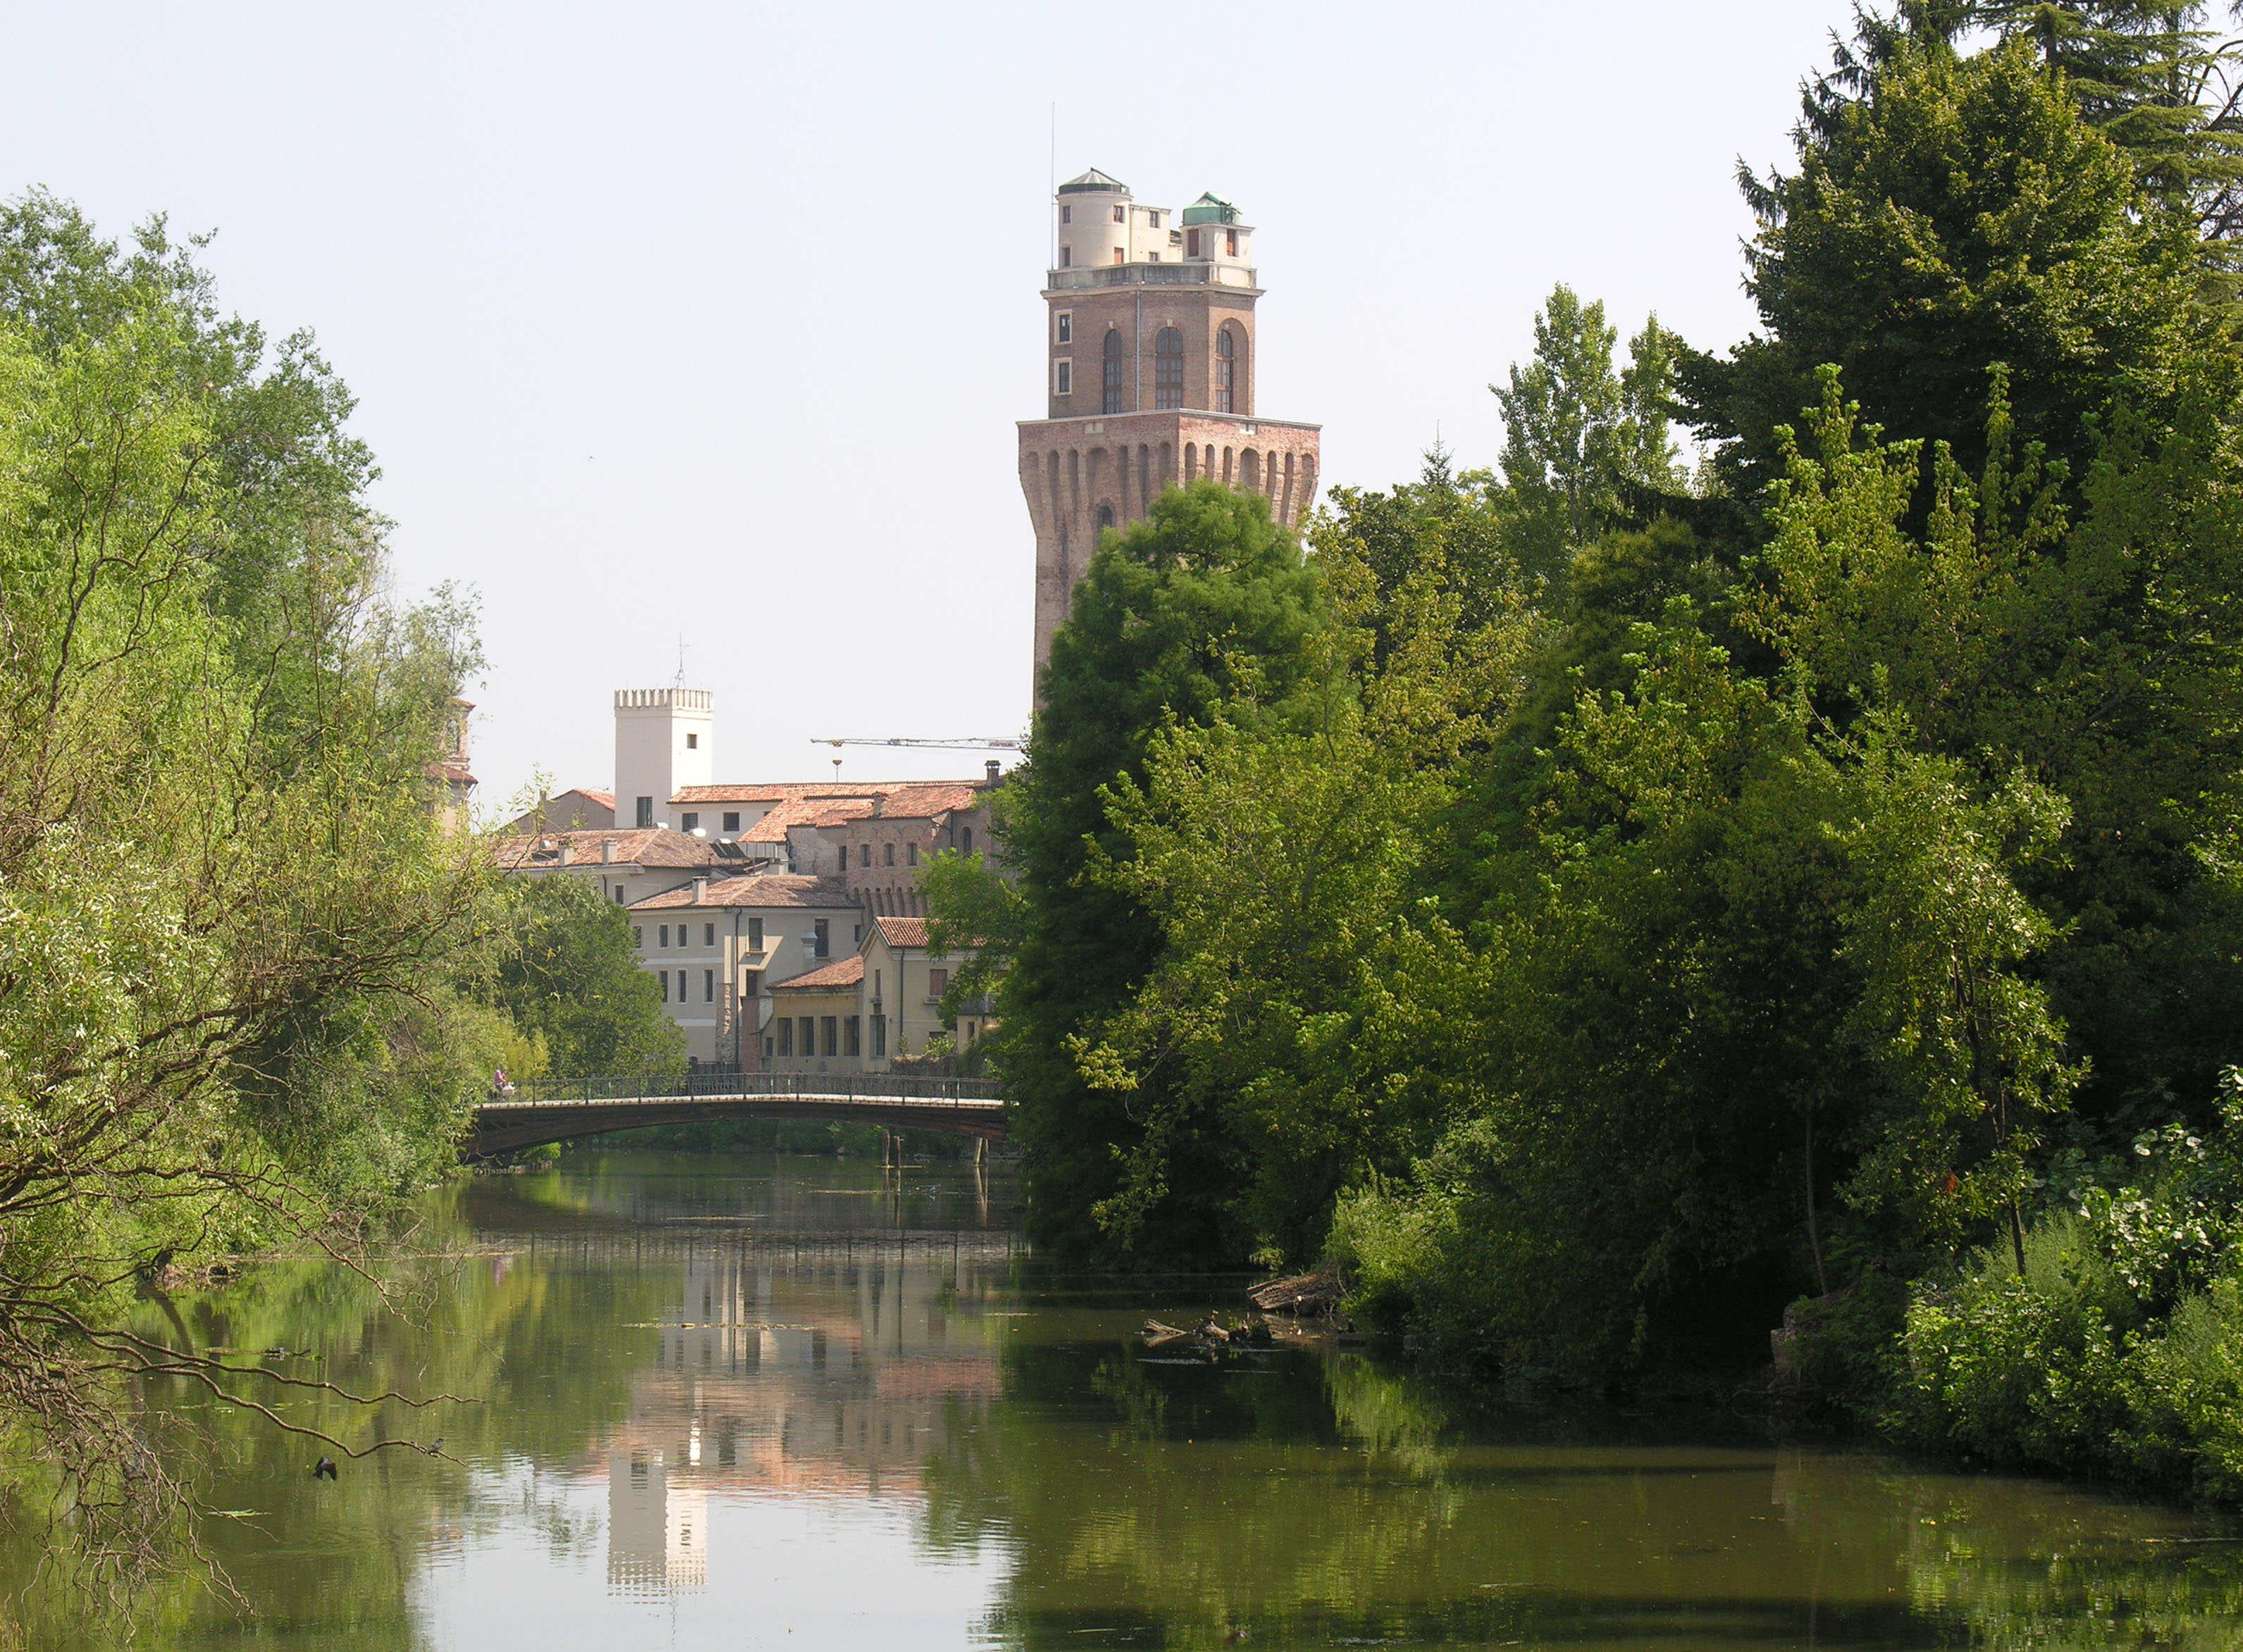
663, 745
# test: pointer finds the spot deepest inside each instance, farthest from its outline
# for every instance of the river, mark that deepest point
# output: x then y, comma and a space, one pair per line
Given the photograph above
778, 1402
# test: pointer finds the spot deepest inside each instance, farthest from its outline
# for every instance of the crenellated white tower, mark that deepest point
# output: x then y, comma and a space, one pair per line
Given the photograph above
661, 746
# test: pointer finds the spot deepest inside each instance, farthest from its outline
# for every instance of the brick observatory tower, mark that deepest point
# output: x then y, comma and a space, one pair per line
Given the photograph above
1150, 342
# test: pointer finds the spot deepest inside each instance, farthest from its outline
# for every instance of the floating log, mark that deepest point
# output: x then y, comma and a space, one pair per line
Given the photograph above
1158, 1335
1302, 1293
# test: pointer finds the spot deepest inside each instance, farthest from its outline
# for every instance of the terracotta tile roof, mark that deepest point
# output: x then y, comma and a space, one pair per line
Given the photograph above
771, 889
802, 811
923, 794
788, 791
923, 803
903, 931
607, 797
641, 846
847, 972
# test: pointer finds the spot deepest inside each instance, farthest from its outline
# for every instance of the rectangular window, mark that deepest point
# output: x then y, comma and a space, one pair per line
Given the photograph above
638, 937
864, 853
824, 935
665, 985
1119, 257
681, 986
1066, 326
1066, 215
693, 743
1152, 258
785, 1037
1191, 244
888, 854
879, 1037
1153, 219
858, 939
809, 1036
751, 984
708, 934
688, 822
1230, 244
619, 895
731, 820
665, 933
1120, 216
708, 986
1066, 257
853, 1036
755, 935
830, 1029
938, 982
1062, 378
911, 851
767, 1047
646, 812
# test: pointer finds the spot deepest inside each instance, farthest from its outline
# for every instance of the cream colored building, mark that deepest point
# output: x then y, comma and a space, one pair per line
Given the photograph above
719, 947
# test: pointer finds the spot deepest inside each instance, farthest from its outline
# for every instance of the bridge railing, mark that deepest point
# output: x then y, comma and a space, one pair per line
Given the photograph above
731, 1086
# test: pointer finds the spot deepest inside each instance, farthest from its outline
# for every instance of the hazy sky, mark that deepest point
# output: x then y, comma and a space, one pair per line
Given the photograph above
710, 324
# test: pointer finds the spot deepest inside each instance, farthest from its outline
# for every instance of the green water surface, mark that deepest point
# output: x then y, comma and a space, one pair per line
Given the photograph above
782, 1402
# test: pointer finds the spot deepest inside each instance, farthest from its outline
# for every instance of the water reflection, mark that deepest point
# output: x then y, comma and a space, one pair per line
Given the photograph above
787, 1402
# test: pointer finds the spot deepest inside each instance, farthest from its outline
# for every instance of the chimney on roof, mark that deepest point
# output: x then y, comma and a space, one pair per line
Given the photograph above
700, 889
563, 846
607, 851
990, 768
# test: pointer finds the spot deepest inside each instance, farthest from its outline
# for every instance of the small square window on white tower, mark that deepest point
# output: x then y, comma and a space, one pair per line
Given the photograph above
1062, 378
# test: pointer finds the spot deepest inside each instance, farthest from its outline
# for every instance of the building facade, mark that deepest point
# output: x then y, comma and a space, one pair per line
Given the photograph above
1150, 335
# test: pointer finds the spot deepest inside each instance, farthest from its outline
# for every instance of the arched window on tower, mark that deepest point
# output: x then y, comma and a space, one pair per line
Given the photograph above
1168, 368
1226, 370
1105, 517
1113, 402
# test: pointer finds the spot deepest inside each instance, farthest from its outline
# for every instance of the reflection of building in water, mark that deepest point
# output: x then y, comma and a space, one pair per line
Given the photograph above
657, 1532
834, 1368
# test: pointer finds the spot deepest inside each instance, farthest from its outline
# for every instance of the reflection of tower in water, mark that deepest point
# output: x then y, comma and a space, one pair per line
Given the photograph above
657, 1533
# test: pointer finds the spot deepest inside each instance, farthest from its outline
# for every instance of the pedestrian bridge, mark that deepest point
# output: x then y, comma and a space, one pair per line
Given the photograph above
544, 1110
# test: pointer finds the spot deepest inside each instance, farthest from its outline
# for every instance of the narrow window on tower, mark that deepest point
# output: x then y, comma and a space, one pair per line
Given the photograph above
693, 743
1063, 379
1230, 244
1226, 366
1168, 368
1066, 215
1066, 326
1120, 216
1191, 244
1066, 257
1114, 363
1119, 257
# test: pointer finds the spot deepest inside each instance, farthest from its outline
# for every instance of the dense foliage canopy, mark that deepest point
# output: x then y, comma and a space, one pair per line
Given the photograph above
1621, 900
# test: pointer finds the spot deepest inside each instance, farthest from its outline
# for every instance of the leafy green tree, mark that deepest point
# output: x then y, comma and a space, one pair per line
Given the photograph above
1202, 610
239, 954
1956, 214
1578, 436
571, 978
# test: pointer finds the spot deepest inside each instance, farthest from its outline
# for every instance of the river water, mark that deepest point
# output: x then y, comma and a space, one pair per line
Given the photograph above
779, 1402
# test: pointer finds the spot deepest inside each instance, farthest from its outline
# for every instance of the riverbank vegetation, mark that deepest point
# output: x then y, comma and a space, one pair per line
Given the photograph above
244, 958
1621, 905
